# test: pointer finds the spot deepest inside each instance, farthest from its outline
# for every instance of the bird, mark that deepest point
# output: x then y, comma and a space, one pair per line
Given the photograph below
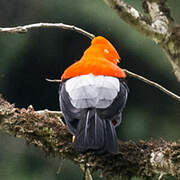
92, 95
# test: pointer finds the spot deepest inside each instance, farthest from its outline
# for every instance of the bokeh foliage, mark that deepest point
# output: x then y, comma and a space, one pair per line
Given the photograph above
27, 59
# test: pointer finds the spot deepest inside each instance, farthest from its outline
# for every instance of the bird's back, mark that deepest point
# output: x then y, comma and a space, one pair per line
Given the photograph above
92, 97
90, 91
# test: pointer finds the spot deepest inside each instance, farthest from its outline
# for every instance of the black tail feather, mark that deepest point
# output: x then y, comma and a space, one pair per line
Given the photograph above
95, 134
111, 144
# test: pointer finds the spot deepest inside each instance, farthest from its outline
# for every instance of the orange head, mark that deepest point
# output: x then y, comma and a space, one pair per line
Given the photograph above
100, 58
102, 48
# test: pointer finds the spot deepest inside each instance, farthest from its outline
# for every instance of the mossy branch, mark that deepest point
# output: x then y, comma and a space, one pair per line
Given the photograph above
46, 130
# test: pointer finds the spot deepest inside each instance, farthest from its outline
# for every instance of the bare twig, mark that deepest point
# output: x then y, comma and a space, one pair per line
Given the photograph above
56, 114
141, 78
154, 84
26, 28
54, 80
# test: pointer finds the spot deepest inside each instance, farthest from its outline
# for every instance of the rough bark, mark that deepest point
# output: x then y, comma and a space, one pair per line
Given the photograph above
158, 25
45, 130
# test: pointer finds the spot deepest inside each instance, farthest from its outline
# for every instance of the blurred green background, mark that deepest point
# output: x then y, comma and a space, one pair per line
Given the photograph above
27, 59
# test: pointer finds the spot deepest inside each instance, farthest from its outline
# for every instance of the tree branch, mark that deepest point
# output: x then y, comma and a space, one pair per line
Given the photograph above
26, 28
45, 130
154, 84
158, 25
133, 17
141, 78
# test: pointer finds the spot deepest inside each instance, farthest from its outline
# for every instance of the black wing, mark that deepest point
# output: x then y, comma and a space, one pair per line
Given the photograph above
72, 115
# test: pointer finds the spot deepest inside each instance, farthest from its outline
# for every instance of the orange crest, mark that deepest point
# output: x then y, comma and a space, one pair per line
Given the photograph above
100, 58
102, 48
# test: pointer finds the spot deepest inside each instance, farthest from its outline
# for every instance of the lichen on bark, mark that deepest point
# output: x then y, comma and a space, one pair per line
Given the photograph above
45, 130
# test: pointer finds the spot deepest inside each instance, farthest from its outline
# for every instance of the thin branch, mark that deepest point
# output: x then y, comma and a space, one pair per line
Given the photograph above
44, 130
26, 28
54, 80
154, 84
141, 78
46, 112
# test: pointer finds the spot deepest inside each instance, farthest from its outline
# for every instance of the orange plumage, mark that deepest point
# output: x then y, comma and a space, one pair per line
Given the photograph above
100, 58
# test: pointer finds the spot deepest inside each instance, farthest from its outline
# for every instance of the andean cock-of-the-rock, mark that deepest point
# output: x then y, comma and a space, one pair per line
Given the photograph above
92, 96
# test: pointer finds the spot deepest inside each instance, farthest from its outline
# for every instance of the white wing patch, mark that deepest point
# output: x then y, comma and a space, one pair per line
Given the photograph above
88, 91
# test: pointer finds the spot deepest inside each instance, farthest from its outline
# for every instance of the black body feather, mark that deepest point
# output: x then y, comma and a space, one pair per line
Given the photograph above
94, 128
